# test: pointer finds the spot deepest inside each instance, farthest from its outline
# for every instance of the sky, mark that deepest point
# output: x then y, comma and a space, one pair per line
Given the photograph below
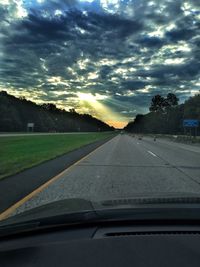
107, 58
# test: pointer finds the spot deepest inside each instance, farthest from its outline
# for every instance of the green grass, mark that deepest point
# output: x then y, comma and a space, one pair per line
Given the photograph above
22, 152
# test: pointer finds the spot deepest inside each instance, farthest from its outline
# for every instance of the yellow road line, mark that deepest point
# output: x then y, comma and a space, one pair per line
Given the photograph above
11, 209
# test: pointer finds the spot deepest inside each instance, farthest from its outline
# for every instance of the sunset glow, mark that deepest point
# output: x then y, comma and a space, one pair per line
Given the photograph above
106, 58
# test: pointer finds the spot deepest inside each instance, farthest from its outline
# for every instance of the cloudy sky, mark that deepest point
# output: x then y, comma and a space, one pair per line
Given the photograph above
103, 57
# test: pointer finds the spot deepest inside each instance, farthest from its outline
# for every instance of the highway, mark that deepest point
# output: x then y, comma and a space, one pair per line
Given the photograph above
125, 167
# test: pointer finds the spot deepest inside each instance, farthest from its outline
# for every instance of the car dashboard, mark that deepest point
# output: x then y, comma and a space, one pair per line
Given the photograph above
160, 244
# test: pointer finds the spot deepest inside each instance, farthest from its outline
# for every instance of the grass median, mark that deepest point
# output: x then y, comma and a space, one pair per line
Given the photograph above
22, 152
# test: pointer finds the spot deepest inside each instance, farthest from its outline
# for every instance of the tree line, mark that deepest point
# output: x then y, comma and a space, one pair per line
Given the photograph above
16, 113
166, 116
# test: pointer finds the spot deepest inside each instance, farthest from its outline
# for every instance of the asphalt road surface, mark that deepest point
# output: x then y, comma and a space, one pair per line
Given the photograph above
124, 167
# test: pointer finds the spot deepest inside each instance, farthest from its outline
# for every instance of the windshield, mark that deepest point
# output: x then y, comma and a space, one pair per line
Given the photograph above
99, 101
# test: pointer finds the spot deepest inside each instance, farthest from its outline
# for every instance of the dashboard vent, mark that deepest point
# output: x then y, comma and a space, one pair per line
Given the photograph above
146, 200
119, 234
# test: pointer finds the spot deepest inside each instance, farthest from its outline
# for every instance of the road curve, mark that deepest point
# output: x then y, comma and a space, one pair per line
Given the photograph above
124, 167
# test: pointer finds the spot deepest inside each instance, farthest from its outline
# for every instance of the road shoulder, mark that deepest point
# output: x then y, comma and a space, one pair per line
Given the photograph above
16, 187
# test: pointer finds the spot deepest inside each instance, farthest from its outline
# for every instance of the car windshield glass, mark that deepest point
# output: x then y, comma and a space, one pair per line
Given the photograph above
99, 101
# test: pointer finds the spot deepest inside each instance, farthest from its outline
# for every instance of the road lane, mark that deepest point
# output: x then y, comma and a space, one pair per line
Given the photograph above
184, 157
123, 167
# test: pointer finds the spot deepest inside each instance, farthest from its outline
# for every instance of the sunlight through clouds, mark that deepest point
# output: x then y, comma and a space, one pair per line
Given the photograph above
90, 97
93, 104
99, 57
172, 61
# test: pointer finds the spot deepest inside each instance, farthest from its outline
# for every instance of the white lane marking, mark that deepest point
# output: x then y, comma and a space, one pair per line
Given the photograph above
152, 153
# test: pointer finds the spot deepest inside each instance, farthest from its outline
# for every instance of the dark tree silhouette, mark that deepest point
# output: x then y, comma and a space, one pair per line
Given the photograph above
172, 100
158, 103
72, 110
16, 113
166, 116
49, 106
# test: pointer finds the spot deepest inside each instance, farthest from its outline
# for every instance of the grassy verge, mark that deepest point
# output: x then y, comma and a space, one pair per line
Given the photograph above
21, 152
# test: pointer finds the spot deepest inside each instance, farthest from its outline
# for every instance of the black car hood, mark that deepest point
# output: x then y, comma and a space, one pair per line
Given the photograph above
53, 209
139, 206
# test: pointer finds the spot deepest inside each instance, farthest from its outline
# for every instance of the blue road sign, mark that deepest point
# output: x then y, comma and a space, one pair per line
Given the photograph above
190, 123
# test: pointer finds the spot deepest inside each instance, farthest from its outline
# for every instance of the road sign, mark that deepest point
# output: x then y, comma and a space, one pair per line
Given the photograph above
30, 127
190, 123
30, 124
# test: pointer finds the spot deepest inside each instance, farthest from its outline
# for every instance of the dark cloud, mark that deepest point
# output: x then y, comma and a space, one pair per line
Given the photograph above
151, 42
180, 34
105, 71
133, 85
45, 29
59, 48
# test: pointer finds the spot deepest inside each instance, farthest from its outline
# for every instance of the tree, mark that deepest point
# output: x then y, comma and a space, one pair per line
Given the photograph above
49, 106
169, 120
16, 113
138, 118
172, 100
158, 103
192, 108
72, 110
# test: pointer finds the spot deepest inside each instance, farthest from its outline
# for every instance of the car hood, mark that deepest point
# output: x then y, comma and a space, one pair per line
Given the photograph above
76, 209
